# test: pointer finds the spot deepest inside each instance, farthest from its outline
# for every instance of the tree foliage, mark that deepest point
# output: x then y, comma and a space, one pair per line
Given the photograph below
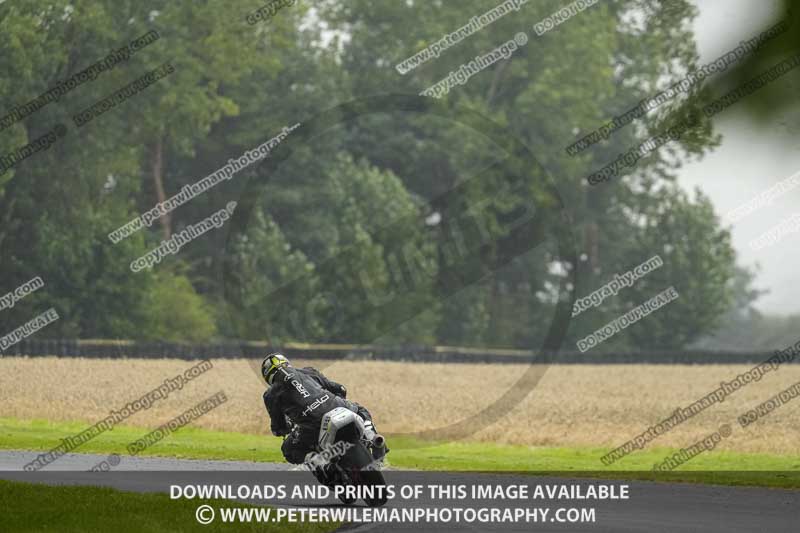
358, 215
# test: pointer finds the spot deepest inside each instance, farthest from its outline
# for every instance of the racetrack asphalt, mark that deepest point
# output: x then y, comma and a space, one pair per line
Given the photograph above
652, 506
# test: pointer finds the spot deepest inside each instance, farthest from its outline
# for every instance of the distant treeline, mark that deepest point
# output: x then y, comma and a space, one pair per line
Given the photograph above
389, 219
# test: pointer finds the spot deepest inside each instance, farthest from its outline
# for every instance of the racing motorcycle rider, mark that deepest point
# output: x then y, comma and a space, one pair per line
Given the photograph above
303, 395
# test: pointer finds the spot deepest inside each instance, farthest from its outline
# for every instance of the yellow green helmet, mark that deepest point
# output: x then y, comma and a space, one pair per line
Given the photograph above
271, 364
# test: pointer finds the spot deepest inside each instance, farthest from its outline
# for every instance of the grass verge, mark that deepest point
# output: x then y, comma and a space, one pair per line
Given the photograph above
32, 507
717, 467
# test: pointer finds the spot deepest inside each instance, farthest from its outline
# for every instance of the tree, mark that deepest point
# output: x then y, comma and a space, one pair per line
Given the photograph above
340, 224
356, 236
573, 73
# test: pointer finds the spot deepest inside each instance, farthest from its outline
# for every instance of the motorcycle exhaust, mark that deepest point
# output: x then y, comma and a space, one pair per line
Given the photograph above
379, 441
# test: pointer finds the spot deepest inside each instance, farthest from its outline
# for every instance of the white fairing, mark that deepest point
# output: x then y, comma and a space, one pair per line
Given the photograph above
333, 421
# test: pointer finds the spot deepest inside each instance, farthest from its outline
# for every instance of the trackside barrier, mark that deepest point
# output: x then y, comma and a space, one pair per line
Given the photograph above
93, 348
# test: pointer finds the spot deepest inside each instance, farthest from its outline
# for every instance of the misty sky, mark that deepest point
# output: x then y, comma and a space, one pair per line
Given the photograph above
750, 159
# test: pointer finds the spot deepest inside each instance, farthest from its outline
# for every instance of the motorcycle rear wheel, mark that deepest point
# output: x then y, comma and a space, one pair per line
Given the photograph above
347, 501
357, 462
374, 478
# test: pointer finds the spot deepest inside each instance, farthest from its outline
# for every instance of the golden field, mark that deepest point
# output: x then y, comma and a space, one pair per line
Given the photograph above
571, 405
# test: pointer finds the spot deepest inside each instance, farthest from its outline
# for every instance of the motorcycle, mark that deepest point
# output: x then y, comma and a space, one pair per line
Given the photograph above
350, 454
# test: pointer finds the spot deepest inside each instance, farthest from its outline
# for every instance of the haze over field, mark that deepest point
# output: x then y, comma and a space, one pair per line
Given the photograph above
752, 157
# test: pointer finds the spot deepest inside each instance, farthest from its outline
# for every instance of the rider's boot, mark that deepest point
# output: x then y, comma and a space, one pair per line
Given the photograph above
369, 430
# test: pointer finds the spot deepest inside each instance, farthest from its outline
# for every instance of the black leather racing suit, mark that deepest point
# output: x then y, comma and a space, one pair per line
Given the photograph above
304, 395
